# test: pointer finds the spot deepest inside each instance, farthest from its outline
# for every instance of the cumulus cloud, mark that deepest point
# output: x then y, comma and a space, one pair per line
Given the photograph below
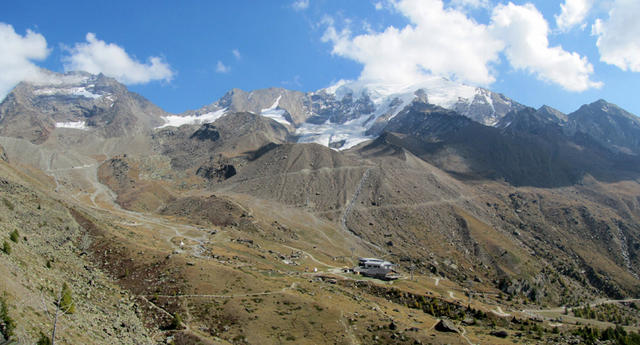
572, 13
446, 42
300, 5
96, 56
236, 54
618, 36
222, 68
437, 41
17, 54
525, 31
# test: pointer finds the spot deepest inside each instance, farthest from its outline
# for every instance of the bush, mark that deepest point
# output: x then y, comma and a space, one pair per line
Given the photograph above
66, 301
176, 323
7, 325
14, 236
6, 248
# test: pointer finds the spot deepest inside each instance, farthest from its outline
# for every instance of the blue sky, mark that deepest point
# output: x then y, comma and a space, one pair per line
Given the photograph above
183, 55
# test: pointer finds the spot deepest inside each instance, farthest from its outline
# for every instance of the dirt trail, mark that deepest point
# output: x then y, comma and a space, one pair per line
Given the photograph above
161, 226
232, 185
348, 331
536, 312
283, 290
464, 336
353, 200
459, 199
310, 256
499, 312
349, 208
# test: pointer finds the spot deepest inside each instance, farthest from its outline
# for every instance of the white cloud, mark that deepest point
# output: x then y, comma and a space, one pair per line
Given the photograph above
222, 68
16, 55
437, 41
96, 56
300, 5
572, 13
525, 31
470, 3
236, 54
446, 42
618, 36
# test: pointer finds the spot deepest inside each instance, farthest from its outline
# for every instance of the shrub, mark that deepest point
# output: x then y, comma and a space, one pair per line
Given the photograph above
7, 325
6, 248
66, 300
14, 236
176, 323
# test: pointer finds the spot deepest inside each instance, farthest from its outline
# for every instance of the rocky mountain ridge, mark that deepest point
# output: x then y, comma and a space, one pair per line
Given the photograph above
78, 101
348, 113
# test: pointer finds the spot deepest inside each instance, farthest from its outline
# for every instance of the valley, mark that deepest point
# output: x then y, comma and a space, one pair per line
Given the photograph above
241, 231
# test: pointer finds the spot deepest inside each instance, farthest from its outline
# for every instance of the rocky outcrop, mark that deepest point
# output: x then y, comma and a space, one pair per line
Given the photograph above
3, 155
206, 132
221, 172
445, 325
501, 333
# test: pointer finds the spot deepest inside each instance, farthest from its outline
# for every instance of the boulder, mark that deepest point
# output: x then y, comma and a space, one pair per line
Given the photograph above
499, 333
446, 326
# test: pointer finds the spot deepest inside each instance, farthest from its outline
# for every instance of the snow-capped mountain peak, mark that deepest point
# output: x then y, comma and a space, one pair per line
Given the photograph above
350, 112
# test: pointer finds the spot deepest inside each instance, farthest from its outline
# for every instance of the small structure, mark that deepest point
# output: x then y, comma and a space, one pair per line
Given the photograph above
376, 268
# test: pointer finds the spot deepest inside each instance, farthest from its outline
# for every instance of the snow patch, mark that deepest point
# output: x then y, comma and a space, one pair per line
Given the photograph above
73, 125
352, 132
440, 91
78, 91
274, 113
177, 120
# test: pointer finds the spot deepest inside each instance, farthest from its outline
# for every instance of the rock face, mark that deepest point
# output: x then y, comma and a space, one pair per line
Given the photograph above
446, 326
206, 132
209, 147
486, 107
533, 121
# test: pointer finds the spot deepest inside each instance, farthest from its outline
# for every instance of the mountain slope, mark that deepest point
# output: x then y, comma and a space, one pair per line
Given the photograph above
530, 150
75, 101
52, 250
610, 125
